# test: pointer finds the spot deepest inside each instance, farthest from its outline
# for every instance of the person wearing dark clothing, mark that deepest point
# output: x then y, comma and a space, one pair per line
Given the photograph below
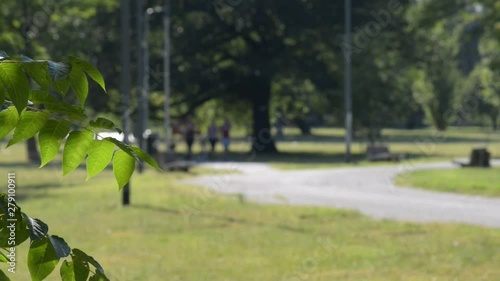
189, 133
212, 136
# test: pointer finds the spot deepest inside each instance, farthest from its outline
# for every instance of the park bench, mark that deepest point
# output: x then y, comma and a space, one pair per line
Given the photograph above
479, 157
169, 162
381, 153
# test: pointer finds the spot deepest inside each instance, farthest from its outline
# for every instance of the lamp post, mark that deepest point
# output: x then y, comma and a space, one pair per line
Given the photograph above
347, 86
166, 71
141, 123
125, 80
166, 63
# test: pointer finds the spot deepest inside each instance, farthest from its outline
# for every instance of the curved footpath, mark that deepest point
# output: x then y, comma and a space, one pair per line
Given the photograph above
369, 190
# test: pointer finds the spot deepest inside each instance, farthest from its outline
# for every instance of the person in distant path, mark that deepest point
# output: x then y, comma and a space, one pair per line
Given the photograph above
189, 132
225, 135
212, 136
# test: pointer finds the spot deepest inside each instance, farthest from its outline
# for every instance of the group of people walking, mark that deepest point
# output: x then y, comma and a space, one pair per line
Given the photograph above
213, 135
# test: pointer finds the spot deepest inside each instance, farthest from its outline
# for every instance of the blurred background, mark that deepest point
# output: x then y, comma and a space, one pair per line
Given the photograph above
304, 84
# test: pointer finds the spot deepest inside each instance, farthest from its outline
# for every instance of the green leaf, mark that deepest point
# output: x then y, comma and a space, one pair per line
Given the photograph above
97, 265
76, 148
80, 265
62, 86
90, 70
29, 125
79, 83
4, 277
124, 147
82, 255
8, 119
60, 246
2, 94
3, 258
14, 79
42, 97
49, 139
123, 167
67, 271
73, 112
42, 259
54, 105
58, 70
38, 71
11, 215
145, 157
98, 277
102, 123
38, 229
100, 154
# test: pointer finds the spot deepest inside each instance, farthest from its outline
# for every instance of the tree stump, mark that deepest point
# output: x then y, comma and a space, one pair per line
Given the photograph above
479, 157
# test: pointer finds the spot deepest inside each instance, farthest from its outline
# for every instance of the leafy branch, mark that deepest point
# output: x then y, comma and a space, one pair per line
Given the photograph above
46, 111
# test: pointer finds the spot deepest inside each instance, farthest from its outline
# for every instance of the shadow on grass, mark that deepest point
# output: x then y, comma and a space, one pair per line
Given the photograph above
18, 165
226, 219
301, 158
393, 138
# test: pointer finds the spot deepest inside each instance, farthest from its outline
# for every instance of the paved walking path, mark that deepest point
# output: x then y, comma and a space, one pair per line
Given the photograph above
369, 190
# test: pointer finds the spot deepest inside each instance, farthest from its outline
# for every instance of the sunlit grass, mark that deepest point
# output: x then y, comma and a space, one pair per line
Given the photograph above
475, 181
174, 231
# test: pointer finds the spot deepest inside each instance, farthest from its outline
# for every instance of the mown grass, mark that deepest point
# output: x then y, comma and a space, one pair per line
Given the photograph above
474, 181
174, 231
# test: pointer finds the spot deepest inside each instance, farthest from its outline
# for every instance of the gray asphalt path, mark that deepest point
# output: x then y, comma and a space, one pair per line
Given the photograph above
369, 190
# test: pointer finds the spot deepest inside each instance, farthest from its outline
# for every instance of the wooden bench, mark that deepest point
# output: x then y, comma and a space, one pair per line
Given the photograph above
381, 153
478, 158
168, 161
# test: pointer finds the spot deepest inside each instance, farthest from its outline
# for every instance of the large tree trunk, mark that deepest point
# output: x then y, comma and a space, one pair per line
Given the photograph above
33, 155
263, 141
31, 144
494, 118
304, 127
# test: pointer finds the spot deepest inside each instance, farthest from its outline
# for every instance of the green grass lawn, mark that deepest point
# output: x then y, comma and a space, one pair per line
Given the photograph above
174, 231
475, 181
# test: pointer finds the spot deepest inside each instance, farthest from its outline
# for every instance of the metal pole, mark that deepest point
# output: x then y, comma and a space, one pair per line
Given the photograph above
347, 87
140, 76
125, 81
145, 92
166, 70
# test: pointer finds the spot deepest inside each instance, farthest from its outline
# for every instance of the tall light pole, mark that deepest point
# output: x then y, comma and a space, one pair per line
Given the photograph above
125, 81
140, 91
166, 62
347, 86
166, 70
